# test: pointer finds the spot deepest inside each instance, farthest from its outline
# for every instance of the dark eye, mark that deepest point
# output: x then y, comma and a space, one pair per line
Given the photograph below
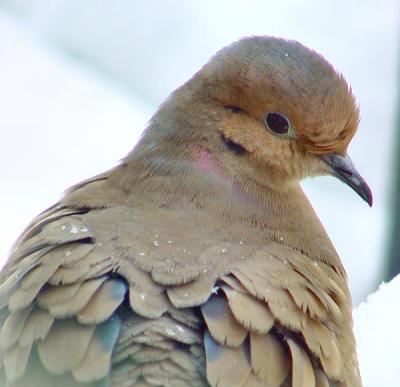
277, 123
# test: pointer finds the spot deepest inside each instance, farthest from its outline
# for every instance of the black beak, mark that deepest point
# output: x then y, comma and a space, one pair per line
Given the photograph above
344, 169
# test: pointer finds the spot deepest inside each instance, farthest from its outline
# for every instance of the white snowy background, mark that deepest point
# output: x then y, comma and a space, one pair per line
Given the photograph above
80, 79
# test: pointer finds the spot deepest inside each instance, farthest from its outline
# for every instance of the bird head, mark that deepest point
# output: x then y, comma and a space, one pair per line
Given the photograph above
274, 109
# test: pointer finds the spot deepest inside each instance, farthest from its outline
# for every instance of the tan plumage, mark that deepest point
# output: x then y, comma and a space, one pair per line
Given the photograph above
198, 260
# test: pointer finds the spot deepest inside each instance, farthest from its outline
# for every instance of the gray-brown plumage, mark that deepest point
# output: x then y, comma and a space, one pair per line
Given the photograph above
198, 260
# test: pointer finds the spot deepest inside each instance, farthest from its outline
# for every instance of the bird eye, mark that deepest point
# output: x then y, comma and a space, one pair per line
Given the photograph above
277, 123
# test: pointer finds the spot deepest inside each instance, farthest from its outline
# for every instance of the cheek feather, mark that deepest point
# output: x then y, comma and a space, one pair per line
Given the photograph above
275, 152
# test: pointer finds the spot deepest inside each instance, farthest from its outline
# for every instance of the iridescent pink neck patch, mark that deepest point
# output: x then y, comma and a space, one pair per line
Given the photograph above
206, 161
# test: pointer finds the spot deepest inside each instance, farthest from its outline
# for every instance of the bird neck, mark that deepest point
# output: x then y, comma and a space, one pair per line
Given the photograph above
192, 177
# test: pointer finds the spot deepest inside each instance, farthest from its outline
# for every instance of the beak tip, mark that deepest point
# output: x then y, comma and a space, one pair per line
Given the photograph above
344, 169
364, 191
369, 197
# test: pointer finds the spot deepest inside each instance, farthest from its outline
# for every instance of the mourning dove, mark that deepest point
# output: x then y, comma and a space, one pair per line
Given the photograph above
198, 260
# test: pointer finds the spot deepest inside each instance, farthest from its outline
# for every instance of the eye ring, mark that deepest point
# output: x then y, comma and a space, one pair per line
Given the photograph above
278, 123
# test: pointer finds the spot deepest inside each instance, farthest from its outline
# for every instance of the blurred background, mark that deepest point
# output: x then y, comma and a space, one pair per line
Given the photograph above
80, 79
